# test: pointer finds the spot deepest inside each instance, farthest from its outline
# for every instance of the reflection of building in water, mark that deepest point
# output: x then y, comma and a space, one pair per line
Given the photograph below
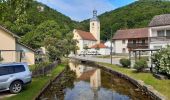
81, 70
85, 73
95, 79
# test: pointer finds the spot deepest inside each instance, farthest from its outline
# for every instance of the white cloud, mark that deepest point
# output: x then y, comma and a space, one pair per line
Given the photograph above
79, 9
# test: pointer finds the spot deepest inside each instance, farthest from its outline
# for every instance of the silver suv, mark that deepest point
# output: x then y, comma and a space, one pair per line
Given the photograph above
13, 76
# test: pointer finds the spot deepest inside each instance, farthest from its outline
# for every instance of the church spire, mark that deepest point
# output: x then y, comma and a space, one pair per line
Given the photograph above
94, 18
94, 13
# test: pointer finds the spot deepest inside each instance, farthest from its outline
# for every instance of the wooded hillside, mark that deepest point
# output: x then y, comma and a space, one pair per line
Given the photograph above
135, 15
33, 21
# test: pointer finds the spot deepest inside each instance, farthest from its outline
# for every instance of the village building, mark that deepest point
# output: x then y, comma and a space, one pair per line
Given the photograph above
159, 31
100, 48
11, 50
84, 39
130, 39
89, 40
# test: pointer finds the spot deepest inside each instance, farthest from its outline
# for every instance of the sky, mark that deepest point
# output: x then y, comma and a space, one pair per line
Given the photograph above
80, 10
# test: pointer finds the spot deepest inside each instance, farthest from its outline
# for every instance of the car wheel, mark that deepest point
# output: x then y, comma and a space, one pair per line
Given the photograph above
16, 87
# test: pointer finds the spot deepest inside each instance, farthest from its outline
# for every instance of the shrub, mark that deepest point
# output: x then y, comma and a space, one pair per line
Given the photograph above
1, 59
125, 62
161, 61
140, 65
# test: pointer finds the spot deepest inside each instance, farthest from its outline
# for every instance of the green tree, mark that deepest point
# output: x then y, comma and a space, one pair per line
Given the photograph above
58, 48
1, 59
161, 60
36, 38
134, 15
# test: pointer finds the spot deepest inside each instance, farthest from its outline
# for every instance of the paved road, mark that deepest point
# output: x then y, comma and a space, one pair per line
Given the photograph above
104, 60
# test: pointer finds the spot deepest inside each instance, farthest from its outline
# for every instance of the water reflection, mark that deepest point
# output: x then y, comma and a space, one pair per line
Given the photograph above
84, 72
83, 82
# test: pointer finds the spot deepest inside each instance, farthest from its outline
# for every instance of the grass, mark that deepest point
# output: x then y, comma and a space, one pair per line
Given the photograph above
162, 86
114, 56
31, 90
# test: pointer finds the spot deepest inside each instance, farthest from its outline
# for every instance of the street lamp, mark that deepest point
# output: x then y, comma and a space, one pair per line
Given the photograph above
111, 47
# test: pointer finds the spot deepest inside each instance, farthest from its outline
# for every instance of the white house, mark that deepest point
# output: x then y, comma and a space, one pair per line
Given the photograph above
129, 39
11, 50
100, 48
83, 39
159, 31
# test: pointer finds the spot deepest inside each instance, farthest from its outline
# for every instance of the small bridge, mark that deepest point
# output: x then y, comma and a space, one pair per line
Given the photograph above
94, 59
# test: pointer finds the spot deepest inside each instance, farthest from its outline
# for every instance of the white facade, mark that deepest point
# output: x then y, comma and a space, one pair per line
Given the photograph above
95, 26
83, 43
94, 33
95, 29
158, 37
120, 46
102, 51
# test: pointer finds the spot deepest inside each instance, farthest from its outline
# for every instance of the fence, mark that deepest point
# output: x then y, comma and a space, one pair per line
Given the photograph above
44, 70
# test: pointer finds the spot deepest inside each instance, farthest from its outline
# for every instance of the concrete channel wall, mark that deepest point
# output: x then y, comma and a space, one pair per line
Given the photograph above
138, 83
37, 97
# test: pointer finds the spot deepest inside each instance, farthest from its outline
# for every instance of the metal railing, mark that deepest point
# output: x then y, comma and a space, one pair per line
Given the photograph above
137, 45
157, 39
44, 70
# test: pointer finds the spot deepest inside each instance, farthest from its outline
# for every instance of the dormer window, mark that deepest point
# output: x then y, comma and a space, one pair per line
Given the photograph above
168, 33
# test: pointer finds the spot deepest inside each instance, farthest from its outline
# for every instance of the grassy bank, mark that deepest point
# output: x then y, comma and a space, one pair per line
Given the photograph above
31, 90
162, 86
114, 56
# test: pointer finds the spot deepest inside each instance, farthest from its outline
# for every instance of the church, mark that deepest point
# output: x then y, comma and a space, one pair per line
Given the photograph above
90, 40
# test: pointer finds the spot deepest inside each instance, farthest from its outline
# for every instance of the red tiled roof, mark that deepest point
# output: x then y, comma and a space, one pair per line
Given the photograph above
100, 45
86, 35
86, 75
131, 33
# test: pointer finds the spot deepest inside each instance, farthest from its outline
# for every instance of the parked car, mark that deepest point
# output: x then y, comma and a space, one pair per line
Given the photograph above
13, 76
83, 53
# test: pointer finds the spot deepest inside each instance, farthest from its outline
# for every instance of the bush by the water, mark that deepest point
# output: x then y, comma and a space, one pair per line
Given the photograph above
125, 62
1, 59
39, 65
161, 60
140, 65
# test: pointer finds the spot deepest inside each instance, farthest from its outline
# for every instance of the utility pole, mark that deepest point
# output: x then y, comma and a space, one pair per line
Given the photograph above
111, 47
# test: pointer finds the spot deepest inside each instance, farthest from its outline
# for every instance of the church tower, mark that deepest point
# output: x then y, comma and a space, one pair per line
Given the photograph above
95, 26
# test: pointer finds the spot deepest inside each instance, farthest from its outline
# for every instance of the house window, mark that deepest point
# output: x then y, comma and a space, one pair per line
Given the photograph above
157, 47
161, 33
167, 32
123, 50
134, 41
23, 55
143, 41
123, 41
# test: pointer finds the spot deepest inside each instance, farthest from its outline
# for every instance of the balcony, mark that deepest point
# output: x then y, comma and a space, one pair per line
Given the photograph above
158, 39
137, 45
